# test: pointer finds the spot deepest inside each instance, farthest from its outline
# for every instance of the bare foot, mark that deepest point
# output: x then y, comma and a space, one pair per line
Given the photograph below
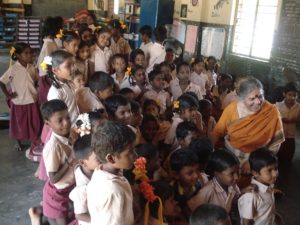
35, 214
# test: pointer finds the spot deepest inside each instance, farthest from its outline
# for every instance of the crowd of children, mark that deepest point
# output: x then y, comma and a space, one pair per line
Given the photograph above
104, 105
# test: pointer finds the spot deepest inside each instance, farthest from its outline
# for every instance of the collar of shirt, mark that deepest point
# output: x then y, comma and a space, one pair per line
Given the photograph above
81, 178
159, 45
181, 189
262, 187
27, 67
111, 176
48, 40
62, 139
219, 188
98, 48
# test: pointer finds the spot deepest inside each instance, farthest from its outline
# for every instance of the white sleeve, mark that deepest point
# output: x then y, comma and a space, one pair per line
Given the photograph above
79, 197
246, 206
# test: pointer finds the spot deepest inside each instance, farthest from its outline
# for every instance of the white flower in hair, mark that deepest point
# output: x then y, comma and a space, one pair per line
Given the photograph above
48, 60
84, 125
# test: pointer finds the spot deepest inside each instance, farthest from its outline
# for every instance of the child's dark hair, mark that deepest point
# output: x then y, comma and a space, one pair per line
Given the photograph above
196, 61
261, 158
51, 107
116, 24
70, 36
221, 160
204, 104
147, 30
82, 147
224, 76
126, 91
185, 102
148, 102
111, 138
193, 94
134, 69
99, 81
147, 151
179, 65
135, 106
184, 128
19, 48
290, 87
84, 27
181, 158
113, 102
50, 27
208, 214
59, 21
210, 58
203, 148
118, 56
58, 57
162, 64
101, 30
160, 33
134, 54
154, 73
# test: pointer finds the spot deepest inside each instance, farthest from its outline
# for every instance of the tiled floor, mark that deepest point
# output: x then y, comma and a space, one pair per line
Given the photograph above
19, 190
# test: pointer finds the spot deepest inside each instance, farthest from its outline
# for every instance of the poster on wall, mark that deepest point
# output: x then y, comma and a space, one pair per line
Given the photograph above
218, 6
212, 42
178, 31
191, 39
183, 11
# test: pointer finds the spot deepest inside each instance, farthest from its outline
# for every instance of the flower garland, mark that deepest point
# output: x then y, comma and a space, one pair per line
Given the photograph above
146, 189
83, 124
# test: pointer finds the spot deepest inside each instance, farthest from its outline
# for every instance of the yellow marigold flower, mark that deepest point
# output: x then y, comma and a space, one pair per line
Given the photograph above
176, 104
12, 51
60, 34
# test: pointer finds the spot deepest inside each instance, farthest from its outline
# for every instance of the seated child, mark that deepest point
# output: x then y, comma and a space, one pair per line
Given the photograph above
198, 76
289, 109
128, 93
259, 207
149, 130
59, 161
109, 195
210, 214
118, 64
186, 131
100, 88
209, 122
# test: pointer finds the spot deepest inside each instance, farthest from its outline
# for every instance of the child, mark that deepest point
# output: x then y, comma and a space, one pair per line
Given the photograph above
59, 69
100, 88
118, 109
209, 122
198, 76
166, 70
136, 120
211, 69
186, 131
184, 167
185, 109
223, 88
22, 77
83, 174
182, 83
289, 109
82, 60
149, 130
146, 37
210, 214
118, 44
259, 207
78, 80
70, 41
100, 53
85, 33
118, 64
156, 91
59, 160
128, 93
157, 52
223, 168
113, 145
137, 57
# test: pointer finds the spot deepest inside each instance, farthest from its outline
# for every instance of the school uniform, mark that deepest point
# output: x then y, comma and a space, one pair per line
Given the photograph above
157, 55
161, 98
171, 134
146, 49
128, 82
100, 58
82, 67
48, 47
177, 91
87, 101
117, 82
200, 80
120, 47
212, 78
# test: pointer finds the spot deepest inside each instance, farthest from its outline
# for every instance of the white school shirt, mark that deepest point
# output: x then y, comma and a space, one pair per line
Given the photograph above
258, 206
177, 92
212, 78
48, 47
200, 80
289, 129
100, 58
117, 82
87, 101
157, 55
126, 84
146, 49
109, 198
79, 194
55, 153
160, 97
67, 95
170, 138
21, 80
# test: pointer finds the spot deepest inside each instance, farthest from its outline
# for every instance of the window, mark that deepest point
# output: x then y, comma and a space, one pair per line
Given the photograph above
254, 28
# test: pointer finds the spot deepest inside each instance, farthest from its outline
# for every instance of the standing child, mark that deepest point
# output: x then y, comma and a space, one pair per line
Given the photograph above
183, 83
70, 41
82, 60
146, 37
22, 77
209, 122
86, 34
211, 69
198, 76
259, 207
113, 145
100, 52
289, 109
59, 160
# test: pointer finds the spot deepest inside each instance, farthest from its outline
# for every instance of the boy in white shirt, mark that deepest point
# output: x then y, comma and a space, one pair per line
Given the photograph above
258, 208
109, 194
146, 37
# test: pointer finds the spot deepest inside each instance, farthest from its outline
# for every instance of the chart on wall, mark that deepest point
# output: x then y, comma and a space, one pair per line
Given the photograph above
178, 31
212, 42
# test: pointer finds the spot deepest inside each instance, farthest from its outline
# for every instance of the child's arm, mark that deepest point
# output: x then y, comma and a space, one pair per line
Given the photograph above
6, 93
83, 217
56, 176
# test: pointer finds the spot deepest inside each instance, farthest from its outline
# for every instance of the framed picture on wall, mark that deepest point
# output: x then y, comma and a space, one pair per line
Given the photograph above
183, 11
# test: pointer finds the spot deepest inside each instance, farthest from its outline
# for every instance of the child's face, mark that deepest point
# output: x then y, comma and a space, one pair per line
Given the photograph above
184, 73
86, 36
188, 175
139, 60
123, 114
267, 175
91, 163
25, 56
226, 84
119, 65
189, 113
84, 53
60, 123
211, 64
144, 37
64, 70
152, 110
290, 97
72, 46
137, 117
157, 83
125, 159
103, 39
149, 130
170, 207
78, 82
199, 67
185, 142
228, 177
166, 71
140, 77
169, 57
107, 92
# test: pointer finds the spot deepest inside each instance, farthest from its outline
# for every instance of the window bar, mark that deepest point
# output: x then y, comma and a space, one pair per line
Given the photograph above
254, 26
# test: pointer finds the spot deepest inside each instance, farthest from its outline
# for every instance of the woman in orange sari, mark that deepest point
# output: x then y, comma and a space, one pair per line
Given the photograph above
249, 123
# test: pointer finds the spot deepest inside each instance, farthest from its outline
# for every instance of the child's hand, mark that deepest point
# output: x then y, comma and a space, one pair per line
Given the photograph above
12, 95
73, 136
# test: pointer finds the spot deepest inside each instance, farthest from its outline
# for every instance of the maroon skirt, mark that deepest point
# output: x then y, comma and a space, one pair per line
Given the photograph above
25, 122
56, 201
44, 86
